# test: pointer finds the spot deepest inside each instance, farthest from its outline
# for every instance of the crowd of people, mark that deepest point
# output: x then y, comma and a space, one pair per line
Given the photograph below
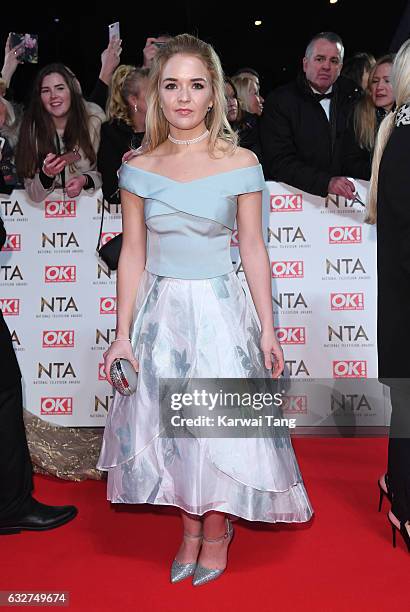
315, 133
299, 135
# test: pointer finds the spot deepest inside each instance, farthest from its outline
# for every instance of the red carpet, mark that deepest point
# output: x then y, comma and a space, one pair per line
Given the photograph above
119, 560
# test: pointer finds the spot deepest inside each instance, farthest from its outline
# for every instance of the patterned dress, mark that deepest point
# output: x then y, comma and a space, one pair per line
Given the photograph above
193, 319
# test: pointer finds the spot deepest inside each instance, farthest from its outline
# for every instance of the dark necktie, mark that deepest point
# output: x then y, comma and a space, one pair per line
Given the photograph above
319, 97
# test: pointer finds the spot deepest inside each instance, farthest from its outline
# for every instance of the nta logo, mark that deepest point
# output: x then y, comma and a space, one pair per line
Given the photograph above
345, 265
289, 300
56, 370
58, 304
286, 235
347, 333
62, 240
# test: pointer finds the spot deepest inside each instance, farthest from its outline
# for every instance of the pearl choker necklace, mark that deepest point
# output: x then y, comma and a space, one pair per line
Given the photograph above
188, 142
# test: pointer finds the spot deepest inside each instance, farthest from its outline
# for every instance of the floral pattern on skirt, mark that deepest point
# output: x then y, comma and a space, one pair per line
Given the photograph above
197, 329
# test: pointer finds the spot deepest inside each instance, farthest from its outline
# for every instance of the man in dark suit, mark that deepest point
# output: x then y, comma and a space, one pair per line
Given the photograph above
303, 122
18, 509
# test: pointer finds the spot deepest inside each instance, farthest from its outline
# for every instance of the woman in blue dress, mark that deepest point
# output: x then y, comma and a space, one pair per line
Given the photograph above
183, 314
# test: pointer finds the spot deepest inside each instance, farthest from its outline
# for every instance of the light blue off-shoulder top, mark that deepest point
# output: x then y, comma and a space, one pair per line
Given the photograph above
189, 224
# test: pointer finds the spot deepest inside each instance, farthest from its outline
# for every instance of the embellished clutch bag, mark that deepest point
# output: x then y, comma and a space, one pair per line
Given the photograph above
124, 377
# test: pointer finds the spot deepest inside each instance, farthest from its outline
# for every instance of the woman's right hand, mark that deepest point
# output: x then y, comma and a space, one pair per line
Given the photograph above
53, 165
119, 349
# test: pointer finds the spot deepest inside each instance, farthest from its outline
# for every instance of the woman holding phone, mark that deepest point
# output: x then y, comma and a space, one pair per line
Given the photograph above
59, 138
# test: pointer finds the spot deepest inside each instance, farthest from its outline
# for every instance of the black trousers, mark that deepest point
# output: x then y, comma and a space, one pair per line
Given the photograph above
398, 468
16, 473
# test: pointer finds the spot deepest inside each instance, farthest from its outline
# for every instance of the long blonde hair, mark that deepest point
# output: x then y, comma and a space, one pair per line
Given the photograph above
125, 81
365, 124
401, 90
11, 126
157, 127
243, 87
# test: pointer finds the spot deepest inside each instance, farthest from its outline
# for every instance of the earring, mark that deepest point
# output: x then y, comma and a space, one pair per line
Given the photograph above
135, 108
209, 108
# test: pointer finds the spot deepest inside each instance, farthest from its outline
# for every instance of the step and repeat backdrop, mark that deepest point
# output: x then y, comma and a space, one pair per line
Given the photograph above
58, 299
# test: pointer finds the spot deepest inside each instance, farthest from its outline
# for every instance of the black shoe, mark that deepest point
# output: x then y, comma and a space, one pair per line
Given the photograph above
402, 531
384, 491
38, 517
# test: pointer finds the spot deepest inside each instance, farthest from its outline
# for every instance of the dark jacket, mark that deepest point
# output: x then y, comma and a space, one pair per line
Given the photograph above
116, 138
356, 161
9, 368
99, 94
248, 132
300, 146
393, 255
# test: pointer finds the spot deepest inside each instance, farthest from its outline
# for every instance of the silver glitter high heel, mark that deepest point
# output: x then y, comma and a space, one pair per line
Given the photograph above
180, 571
206, 574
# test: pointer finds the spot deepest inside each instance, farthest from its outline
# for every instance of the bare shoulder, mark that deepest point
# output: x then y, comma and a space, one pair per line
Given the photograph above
244, 157
143, 161
236, 159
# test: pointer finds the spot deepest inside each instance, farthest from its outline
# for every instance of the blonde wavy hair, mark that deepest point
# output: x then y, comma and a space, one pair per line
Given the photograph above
125, 81
157, 126
401, 90
365, 124
11, 126
243, 87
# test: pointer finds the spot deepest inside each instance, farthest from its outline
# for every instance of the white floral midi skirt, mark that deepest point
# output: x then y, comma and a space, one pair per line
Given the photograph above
197, 329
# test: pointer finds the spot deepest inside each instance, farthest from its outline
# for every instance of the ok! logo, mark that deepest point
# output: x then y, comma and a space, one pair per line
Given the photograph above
56, 405
60, 209
108, 305
350, 369
60, 274
10, 306
59, 338
345, 234
287, 269
347, 301
288, 202
13, 243
291, 335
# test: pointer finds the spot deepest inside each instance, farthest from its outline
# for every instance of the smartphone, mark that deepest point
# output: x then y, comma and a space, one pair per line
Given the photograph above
71, 156
114, 30
30, 42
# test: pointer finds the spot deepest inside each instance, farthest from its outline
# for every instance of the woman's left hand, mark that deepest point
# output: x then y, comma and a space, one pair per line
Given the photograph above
272, 352
75, 185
